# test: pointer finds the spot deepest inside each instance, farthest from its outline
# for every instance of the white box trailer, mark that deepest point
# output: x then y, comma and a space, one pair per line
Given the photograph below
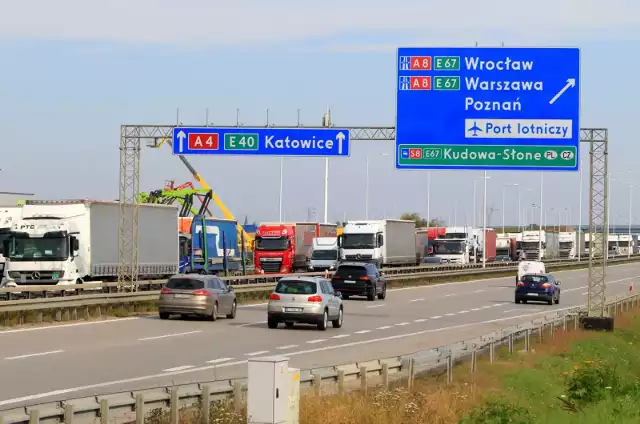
385, 242
67, 242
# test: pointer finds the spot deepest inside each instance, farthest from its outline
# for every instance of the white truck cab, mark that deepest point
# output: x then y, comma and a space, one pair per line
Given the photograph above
40, 251
325, 254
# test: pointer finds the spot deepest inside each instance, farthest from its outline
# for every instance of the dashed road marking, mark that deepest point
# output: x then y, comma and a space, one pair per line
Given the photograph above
463, 312
316, 341
181, 368
340, 336
436, 317
417, 300
260, 352
363, 332
169, 335
376, 306
217, 361
286, 347
31, 355
383, 327
420, 320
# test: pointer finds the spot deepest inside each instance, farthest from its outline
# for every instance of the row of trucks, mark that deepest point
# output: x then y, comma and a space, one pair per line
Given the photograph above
543, 244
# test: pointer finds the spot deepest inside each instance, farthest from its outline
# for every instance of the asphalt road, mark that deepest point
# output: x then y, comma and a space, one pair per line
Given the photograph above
51, 363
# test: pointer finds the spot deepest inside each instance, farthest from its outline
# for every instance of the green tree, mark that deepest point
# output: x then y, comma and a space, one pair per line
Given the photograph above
421, 222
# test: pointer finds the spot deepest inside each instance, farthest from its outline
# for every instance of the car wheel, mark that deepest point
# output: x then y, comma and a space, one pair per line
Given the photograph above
517, 301
164, 315
550, 301
383, 295
288, 324
234, 308
557, 299
214, 312
337, 323
371, 296
322, 325
272, 323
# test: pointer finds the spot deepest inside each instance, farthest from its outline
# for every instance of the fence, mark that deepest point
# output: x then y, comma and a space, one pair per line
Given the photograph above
134, 406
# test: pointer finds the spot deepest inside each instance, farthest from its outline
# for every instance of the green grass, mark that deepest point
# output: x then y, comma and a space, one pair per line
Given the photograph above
595, 381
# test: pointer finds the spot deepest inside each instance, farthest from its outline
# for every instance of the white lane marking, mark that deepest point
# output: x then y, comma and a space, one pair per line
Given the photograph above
286, 347
574, 289
436, 317
260, 352
520, 309
75, 324
420, 320
340, 336
498, 304
169, 335
384, 327
417, 300
449, 315
478, 291
585, 293
486, 307
402, 323
217, 361
450, 295
181, 368
363, 332
252, 323
316, 341
476, 309
30, 355
463, 312
229, 364
376, 306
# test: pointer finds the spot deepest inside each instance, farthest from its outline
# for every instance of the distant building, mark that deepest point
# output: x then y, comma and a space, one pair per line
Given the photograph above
8, 198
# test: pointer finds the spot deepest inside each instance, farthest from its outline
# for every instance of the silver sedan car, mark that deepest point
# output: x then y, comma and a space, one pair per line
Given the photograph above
202, 295
308, 300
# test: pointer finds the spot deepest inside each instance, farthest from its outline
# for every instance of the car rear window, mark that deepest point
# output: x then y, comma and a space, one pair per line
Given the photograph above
296, 287
534, 279
185, 284
348, 271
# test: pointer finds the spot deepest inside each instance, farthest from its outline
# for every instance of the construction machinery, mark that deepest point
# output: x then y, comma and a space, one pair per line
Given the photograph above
248, 239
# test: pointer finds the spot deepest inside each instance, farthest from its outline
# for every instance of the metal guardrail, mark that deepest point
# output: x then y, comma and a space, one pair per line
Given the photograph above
134, 405
69, 304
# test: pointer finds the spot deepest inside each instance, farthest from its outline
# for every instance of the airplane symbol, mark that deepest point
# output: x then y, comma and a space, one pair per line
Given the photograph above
475, 129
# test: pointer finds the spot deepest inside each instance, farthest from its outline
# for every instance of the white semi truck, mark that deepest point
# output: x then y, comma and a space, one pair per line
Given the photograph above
325, 254
8, 215
385, 242
457, 246
69, 242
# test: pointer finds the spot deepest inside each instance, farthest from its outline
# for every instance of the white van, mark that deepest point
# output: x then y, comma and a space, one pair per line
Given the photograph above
530, 267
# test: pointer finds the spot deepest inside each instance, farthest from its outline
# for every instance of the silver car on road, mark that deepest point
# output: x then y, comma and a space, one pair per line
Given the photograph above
202, 295
309, 300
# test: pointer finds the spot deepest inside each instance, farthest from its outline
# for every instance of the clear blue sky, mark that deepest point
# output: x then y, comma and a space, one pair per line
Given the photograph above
74, 71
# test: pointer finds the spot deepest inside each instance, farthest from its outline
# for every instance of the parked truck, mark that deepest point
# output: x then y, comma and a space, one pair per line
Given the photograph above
8, 215
74, 241
530, 245
212, 247
282, 248
506, 247
325, 254
388, 242
457, 245
567, 244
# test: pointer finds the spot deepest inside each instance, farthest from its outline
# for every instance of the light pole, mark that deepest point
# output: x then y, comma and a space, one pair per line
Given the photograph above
366, 190
540, 222
630, 217
580, 243
326, 190
475, 215
428, 199
484, 223
504, 189
281, 186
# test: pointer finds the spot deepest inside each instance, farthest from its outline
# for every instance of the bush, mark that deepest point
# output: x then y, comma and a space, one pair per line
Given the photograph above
592, 382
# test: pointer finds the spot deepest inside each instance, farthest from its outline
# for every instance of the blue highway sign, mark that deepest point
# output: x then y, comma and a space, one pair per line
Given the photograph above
488, 108
319, 142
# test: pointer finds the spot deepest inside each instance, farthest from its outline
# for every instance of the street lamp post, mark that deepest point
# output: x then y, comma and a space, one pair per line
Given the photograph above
630, 217
540, 221
484, 223
475, 215
428, 199
281, 186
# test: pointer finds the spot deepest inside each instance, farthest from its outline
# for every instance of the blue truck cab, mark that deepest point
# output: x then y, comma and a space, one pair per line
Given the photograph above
211, 247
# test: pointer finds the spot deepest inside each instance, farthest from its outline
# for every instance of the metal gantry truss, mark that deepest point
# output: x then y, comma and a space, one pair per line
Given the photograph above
131, 137
598, 218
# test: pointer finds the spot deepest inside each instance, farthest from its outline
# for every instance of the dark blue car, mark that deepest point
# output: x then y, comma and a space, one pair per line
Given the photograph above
538, 287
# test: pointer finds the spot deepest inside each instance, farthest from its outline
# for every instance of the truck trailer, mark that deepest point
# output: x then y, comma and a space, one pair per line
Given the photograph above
387, 242
213, 246
75, 241
282, 248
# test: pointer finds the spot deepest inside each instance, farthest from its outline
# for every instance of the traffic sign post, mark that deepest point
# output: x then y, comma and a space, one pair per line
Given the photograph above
488, 108
314, 142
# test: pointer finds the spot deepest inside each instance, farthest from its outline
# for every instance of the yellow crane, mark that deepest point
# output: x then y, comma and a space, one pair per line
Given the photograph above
248, 239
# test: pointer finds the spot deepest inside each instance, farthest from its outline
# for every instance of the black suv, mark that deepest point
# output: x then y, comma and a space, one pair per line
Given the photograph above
359, 279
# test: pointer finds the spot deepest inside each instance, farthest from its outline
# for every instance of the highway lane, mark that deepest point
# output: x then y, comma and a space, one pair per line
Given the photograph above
78, 360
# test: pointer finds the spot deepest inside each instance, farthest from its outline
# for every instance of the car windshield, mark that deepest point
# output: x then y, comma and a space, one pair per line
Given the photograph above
280, 243
324, 254
358, 241
534, 279
54, 248
448, 247
296, 287
185, 284
347, 271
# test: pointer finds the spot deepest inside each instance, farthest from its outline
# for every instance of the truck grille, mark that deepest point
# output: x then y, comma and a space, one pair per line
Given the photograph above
36, 277
271, 265
358, 257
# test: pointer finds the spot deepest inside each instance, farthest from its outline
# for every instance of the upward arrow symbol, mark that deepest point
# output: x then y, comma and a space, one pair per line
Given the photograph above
181, 136
340, 137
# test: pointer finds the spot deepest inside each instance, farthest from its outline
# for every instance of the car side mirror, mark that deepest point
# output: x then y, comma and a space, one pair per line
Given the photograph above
558, 283
338, 294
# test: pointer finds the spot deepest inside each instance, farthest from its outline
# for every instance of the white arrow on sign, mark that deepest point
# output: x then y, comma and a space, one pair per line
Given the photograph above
571, 82
340, 137
181, 137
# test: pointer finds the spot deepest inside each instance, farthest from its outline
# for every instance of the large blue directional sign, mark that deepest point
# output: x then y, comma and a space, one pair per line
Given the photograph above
319, 142
488, 108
